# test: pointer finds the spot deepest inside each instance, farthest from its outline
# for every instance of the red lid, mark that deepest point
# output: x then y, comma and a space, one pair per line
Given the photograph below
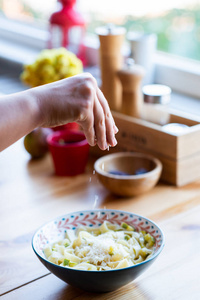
67, 16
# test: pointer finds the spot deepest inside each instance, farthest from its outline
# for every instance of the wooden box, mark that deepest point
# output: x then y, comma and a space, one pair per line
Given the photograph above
180, 155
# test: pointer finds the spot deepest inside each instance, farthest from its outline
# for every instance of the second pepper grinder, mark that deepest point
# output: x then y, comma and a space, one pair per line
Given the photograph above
131, 77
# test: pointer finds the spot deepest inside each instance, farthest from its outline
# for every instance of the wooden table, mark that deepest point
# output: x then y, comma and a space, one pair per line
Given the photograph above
31, 195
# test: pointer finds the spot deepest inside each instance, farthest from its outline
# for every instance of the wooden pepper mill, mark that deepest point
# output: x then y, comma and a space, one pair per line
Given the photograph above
131, 78
111, 60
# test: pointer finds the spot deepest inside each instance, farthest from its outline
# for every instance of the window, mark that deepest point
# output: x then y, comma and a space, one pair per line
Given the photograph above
175, 22
27, 10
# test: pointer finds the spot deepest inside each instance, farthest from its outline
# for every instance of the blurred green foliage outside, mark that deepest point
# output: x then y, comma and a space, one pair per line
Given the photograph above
178, 30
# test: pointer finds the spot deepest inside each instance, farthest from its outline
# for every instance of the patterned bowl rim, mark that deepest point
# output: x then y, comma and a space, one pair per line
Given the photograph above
157, 252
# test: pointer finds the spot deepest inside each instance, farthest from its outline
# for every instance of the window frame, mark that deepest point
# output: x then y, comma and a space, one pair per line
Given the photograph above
181, 74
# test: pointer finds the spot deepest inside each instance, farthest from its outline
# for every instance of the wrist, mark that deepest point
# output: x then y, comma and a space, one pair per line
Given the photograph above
35, 105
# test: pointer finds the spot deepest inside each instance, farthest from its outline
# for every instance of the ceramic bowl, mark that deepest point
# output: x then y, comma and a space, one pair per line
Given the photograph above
128, 174
95, 281
70, 152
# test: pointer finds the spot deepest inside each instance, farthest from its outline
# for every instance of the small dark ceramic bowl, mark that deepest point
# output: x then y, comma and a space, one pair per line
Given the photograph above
95, 281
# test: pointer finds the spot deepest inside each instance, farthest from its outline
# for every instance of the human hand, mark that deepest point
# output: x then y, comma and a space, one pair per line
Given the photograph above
78, 99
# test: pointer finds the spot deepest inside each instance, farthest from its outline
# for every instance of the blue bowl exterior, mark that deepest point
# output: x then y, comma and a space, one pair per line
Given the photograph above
99, 281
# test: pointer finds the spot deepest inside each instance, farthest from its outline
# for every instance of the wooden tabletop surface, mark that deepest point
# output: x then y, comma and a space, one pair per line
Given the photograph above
31, 195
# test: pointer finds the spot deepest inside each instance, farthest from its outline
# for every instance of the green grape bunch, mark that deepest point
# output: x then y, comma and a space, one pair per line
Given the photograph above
51, 65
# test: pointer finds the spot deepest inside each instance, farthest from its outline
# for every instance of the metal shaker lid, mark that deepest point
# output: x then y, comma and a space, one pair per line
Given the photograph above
156, 93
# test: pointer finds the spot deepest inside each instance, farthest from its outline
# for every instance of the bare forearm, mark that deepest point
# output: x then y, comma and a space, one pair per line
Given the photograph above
19, 115
76, 99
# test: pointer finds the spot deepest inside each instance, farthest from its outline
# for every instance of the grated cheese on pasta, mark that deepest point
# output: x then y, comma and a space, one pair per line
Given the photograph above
104, 248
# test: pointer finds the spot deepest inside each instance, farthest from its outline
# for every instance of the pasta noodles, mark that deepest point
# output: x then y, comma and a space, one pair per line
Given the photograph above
107, 247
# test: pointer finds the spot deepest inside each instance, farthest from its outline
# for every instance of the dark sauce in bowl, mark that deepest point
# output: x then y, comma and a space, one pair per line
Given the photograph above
121, 173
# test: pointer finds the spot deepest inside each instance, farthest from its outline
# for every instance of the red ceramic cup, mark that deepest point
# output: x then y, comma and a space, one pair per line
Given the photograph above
70, 152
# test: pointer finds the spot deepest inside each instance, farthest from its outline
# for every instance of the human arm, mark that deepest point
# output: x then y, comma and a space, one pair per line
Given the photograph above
76, 99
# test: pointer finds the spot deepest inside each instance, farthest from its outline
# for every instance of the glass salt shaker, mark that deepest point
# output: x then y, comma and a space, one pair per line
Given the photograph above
156, 99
